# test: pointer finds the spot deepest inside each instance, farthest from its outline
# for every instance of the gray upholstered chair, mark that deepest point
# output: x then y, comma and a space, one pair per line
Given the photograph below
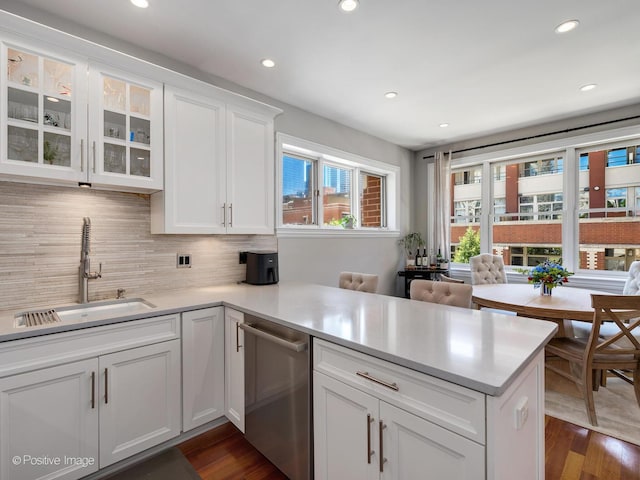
363, 282
444, 278
445, 293
632, 285
487, 268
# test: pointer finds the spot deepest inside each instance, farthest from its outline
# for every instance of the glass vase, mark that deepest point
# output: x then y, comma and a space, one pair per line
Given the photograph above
546, 289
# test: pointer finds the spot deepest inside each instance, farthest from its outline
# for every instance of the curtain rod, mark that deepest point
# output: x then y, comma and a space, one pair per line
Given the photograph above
541, 135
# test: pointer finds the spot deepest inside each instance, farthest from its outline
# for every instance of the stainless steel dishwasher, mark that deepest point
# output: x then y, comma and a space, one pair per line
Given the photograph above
278, 395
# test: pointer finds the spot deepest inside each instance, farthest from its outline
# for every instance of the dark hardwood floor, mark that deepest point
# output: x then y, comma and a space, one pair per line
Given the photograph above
572, 453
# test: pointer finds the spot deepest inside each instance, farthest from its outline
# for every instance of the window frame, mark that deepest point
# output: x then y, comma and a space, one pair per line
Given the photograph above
323, 155
570, 148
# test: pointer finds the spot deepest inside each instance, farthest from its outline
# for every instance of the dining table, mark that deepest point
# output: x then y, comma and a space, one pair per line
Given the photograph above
562, 306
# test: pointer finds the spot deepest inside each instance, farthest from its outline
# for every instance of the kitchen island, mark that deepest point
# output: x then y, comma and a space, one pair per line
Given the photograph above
494, 361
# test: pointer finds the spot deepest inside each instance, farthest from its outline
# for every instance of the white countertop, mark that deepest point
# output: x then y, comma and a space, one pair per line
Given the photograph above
478, 350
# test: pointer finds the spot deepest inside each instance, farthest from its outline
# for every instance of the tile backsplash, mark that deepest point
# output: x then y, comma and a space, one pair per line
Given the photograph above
40, 238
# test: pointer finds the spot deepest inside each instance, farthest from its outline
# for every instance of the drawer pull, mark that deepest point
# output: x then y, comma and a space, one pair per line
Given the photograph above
393, 386
369, 451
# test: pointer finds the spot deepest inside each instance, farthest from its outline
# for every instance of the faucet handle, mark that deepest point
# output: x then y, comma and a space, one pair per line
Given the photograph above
99, 273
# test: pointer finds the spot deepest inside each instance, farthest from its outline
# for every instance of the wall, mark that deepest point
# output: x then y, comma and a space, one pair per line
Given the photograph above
320, 260
40, 238
296, 122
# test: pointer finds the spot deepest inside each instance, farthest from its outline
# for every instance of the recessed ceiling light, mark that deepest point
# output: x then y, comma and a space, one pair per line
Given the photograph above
140, 3
586, 88
268, 63
53, 99
567, 26
391, 94
444, 125
348, 5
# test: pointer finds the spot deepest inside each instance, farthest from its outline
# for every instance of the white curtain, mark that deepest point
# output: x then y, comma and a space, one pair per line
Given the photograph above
442, 204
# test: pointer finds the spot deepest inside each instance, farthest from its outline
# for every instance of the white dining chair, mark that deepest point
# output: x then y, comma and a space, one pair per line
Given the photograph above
363, 282
487, 268
632, 284
444, 293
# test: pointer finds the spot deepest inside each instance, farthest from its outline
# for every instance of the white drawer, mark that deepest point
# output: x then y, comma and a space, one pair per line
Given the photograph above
453, 407
57, 348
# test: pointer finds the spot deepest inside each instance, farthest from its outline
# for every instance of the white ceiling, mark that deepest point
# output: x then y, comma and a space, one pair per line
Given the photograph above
481, 66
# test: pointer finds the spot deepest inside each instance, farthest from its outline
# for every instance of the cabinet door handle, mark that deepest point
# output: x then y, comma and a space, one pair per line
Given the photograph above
393, 386
231, 214
238, 337
93, 148
93, 389
382, 426
106, 386
224, 214
82, 154
369, 451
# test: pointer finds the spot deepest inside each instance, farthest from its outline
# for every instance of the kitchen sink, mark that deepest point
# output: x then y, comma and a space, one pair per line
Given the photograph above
83, 312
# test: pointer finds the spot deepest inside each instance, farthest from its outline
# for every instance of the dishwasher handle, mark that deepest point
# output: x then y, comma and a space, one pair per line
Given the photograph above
298, 346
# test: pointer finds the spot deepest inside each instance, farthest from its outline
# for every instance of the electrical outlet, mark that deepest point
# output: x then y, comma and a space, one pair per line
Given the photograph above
521, 413
183, 260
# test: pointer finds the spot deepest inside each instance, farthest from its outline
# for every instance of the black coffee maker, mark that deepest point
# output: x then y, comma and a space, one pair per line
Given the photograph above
262, 268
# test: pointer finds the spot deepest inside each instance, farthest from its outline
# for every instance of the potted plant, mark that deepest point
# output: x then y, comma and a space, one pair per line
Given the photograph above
411, 242
346, 221
546, 276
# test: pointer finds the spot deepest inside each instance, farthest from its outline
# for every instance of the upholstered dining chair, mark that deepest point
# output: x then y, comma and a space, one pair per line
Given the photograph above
487, 268
444, 278
592, 357
363, 282
446, 293
632, 284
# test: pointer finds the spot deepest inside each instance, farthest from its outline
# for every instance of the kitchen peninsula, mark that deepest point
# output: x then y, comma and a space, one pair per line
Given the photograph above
471, 376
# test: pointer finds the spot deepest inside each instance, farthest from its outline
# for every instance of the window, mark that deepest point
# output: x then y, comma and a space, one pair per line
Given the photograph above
546, 206
589, 218
372, 204
322, 188
608, 220
336, 195
467, 177
297, 191
544, 166
467, 211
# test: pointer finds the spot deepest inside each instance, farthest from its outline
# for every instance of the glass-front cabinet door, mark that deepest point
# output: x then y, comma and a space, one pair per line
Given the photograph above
43, 130
125, 130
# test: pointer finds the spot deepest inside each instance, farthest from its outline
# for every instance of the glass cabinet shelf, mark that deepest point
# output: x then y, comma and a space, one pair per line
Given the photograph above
39, 109
126, 128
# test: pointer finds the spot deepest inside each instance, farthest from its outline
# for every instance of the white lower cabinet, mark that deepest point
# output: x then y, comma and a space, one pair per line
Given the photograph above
67, 421
234, 367
202, 366
374, 419
139, 400
49, 423
358, 436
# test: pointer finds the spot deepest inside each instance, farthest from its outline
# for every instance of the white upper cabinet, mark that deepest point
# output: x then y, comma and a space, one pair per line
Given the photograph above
194, 195
125, 130
43, 114
219, 164
65, 120
250, 172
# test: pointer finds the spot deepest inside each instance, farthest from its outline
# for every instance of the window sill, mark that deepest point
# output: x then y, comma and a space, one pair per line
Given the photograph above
312, 232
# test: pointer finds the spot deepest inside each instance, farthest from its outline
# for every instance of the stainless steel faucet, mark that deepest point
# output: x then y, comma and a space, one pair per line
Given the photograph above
85, 262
